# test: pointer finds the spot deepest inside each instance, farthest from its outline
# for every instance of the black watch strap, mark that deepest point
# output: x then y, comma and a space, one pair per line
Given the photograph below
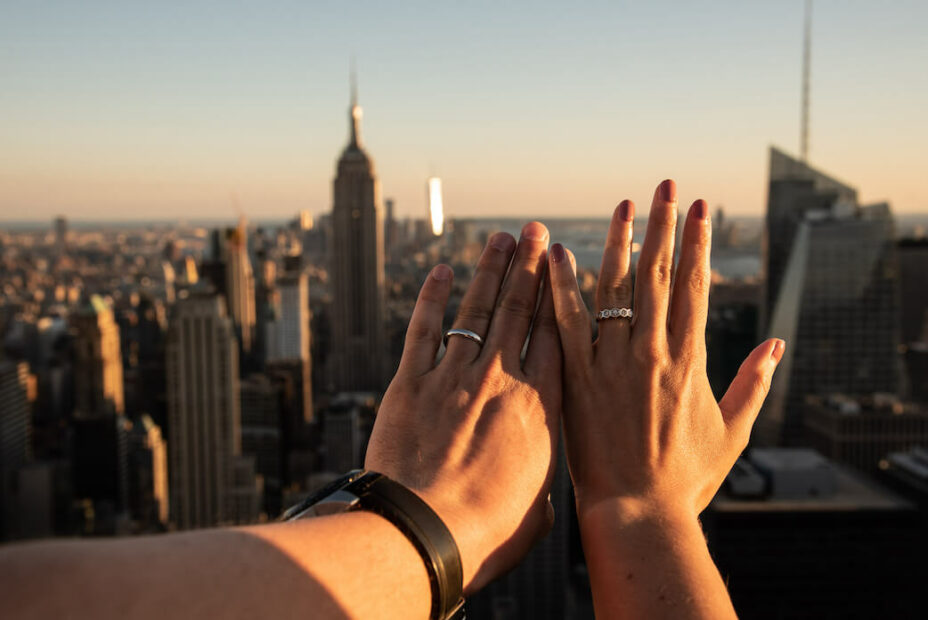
418, 522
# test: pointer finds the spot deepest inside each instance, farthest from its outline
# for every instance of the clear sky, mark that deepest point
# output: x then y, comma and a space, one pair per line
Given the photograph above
198, 109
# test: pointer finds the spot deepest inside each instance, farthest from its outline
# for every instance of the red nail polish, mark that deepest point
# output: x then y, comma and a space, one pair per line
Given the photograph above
777, 353
502, 242
627, 210
557, 253
701, 209
668, 191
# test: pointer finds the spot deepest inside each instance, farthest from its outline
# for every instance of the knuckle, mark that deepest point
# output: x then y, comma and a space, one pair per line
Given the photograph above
660, 272
545, 322
422, 333
518, 305
648, 352
699, 281
474, 313
575, 318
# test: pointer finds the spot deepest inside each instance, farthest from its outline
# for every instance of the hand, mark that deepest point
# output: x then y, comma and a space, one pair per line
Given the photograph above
475, 434
643, 431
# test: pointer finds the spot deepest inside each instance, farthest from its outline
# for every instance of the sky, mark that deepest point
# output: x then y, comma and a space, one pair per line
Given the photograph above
151, 110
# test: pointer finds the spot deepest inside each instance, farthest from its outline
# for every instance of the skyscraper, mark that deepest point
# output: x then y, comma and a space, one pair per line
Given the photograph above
835, 296
794, 190
203, 412
229, 269
357, 270
98, 382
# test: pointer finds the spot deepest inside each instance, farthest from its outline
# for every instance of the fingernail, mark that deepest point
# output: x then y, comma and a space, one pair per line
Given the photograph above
442, 273
701, 209
627, 210
502, 242
557, 253
777, 353
534, 231
668, 191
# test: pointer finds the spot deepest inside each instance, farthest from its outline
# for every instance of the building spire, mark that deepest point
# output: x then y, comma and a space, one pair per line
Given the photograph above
356, 113
806, 62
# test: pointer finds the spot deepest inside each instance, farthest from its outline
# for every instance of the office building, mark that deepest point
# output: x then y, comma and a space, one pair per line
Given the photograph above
837, 302
97, 368
357, 270
203, 412
148, 475
794, 189
262, 401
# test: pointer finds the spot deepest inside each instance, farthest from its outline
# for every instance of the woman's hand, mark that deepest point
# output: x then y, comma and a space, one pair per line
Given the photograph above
475, 434
643, 430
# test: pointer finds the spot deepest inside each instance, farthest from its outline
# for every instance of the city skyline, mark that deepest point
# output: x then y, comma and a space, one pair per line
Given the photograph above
200, 113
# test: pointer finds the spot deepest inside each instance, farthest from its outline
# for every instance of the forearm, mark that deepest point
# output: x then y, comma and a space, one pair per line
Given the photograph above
654, 566
350, 565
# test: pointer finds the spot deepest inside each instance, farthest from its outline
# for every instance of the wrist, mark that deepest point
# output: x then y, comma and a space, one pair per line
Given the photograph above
632, 512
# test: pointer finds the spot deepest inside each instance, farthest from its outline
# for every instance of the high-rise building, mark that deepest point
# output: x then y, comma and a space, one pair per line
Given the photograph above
229, 269
836, 297
148, 475
794, 189
262, 402
98, 382
17, 390
61, 234
357, 270
913, 283
203, 412
291, 326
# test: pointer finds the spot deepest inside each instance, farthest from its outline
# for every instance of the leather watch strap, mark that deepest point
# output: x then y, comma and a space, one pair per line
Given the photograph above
425, 529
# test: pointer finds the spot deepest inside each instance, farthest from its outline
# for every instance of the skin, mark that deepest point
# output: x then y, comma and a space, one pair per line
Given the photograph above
643, 471
473, 435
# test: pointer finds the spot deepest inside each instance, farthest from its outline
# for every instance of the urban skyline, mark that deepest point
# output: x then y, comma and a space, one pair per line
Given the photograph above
526, 113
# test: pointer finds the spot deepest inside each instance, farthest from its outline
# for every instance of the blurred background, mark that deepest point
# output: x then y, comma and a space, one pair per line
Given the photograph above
215, 217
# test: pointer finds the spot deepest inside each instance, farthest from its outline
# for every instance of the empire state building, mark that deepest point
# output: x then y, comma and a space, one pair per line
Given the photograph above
357, 271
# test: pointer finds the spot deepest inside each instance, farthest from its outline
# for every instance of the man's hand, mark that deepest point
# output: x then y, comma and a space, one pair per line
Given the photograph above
475, 434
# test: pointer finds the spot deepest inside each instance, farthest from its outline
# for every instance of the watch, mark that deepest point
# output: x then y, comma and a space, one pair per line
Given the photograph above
368, 490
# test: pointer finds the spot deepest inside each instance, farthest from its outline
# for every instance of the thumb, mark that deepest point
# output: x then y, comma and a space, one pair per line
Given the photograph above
747, 392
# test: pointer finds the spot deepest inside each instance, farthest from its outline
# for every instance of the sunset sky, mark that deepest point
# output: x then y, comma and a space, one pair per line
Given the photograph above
155, 110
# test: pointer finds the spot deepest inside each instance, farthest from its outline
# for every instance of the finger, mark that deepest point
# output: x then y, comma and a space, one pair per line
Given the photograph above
480, 299
689, 303
573, 320
655, 263
614, 289
423, 336
543, 359
519, 297
747, 392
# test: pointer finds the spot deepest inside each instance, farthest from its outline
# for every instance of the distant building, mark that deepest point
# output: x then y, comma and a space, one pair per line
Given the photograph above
291, 327
347, 424
794, 190
357, 271
861, 431
61, 234
836, 301
98, 382
229, 269
204, 414
795, 535
913, 285
262, 401
17, 389
148, 475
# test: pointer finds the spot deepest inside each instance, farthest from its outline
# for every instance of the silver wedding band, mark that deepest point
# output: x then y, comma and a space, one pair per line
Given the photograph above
614, 313
466, 333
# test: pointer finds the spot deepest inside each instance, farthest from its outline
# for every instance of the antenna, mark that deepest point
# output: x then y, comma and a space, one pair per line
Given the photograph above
806, 62
353, 77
